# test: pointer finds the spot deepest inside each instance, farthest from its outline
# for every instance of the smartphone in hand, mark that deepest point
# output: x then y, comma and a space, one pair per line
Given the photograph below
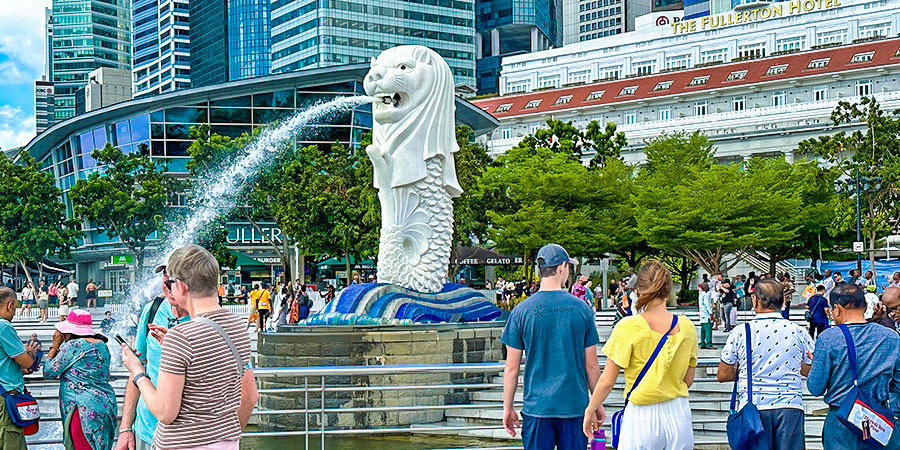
122, 341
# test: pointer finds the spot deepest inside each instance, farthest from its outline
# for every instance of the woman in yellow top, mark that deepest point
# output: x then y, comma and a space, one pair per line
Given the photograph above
658, 415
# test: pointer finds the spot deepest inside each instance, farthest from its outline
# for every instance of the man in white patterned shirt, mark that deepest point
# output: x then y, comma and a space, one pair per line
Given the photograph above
782, 354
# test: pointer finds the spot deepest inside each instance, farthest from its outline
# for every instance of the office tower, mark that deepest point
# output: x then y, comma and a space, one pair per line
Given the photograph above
43, 105
593, 19
87, 34
308, 34
229, 40
105, 87
161, 47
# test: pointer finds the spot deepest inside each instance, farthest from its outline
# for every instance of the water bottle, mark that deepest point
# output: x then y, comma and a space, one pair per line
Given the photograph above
599, 441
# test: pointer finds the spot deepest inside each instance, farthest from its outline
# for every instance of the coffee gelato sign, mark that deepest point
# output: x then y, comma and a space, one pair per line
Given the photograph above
772, 11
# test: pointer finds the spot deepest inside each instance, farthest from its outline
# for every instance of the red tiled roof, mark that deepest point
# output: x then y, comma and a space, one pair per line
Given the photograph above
886, 52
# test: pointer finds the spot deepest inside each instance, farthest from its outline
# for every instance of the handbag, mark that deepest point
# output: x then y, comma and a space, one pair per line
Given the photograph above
23, 410
617, 416
868, 419
745, 426
808, 292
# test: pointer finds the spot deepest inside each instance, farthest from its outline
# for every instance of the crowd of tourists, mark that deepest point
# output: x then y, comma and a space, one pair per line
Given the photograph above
853, 365
35, 302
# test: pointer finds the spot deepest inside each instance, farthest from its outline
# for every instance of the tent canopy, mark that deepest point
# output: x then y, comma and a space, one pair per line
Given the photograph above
245, 261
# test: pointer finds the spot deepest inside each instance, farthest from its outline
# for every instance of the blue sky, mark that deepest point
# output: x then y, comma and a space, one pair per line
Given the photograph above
21, 63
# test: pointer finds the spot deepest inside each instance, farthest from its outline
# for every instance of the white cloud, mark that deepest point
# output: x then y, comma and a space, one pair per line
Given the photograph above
22, 40
16, 127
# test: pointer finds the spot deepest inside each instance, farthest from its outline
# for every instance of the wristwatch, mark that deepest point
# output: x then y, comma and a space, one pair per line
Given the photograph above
138, 377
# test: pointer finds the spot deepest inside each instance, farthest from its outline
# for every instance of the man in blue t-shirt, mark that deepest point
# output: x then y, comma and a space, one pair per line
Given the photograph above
15, 358
557, 333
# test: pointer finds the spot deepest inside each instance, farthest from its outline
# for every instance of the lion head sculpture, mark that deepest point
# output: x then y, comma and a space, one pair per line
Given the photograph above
413, 115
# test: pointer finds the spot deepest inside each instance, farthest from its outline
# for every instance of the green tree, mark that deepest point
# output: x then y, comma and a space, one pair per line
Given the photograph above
33, 223
563, 137
470, 208
689, 207
870, 151
126, 198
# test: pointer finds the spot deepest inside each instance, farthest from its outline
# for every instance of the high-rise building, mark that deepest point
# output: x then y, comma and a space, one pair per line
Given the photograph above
161, 46
506, 27
105, 87
667, 5
229, 40
87, 34
48, 44
593, 19
308, 34
43, 105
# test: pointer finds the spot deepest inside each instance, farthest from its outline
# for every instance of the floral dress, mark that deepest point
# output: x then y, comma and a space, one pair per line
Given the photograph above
83, 371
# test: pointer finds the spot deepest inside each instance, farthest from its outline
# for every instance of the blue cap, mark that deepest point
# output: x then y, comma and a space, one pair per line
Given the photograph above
554, 255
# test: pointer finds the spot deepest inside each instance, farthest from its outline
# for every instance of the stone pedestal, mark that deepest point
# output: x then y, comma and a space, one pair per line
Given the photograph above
368, 346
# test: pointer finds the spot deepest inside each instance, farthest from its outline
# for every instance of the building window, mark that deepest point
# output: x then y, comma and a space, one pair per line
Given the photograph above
739, 103
713, 56
630, 90
831, 37
776, 70
594, 95
503, 108
738, 75
644, 68
579, 77
699, 81
701, 108
874, 30
749, 51
532, 104
820, 94
611, 73
678, 62
563, 100
790, 44
533, 129
518, 86
778, 98
864, 88
819, 63
548, 82
662, 86
664, 113
862, 57
630, 118
504, 133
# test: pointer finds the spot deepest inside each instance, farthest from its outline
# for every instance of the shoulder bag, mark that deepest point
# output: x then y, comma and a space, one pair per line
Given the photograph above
866, 418
745, 426
617, 416
22, 409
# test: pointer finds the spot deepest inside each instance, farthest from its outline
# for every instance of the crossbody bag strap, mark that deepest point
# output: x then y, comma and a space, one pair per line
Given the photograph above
851, 352
737, 376
234, 350
649, 363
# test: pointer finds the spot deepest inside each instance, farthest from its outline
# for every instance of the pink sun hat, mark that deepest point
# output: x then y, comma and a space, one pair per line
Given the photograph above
78, 323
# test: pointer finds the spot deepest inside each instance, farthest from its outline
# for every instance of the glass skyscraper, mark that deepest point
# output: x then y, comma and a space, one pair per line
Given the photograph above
509, 27
87, 34
229, 40
320, 33
161, 47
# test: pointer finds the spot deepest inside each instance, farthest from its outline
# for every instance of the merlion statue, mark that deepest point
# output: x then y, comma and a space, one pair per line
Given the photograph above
413, 141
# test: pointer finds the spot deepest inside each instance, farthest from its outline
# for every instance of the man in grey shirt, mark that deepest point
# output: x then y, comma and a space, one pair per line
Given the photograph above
878, 368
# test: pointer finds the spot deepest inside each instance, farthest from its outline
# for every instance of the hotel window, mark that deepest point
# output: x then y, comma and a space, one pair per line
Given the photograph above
699, 81
792, 43
532, 104
662, 86
503, 108
630, 90
664, 113
819, 63
594, 95
548, 82
864, 88
738, 75
778, 98
533, 129
757, 50
611, 72
518, 86
701, 108
563, 100
831, 37
644, 68
710, 56
678, 62
862, 57
777, 70
820, 94
579, 77
630, 118
739, 103
504, 133
874, 30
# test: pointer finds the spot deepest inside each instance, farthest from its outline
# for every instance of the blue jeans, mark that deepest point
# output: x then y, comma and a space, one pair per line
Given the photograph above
539, 433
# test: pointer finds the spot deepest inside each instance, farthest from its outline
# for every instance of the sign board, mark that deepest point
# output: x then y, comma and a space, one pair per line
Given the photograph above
104, 293
742, 17
658, 19
859, 247
247, 235
121, 259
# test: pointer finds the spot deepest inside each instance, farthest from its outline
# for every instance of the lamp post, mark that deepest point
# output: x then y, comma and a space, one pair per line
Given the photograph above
857, 186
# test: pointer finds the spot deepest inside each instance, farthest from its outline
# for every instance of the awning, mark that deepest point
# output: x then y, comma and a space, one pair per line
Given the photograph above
341, 263
478, 256
245, 261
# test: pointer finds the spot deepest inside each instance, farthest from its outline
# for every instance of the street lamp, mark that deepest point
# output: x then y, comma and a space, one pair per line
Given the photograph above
855, 186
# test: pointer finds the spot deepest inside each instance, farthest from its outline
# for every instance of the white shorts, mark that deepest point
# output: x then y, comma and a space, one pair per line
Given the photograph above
661, 426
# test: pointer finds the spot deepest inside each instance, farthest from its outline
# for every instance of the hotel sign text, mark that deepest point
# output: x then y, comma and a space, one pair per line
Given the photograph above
752, 15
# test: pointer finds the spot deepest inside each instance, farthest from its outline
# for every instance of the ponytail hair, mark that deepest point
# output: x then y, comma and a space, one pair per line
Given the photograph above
654, 281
